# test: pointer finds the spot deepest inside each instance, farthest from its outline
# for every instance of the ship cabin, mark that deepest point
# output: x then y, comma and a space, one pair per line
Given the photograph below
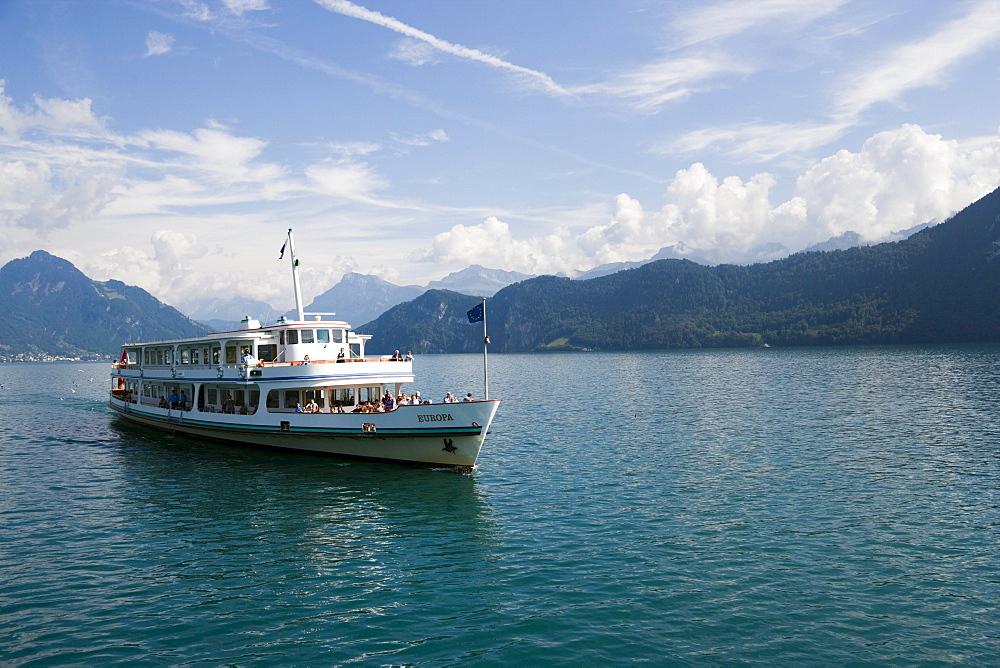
293, 363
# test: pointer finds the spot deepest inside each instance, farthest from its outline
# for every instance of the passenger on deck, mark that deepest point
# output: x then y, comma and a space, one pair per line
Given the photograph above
468, 397
409, 356
340, 355
243, 409
305, 360
396, 357
388, 401
379, 407
248, 359
312, 407
415, 400
449, 398
298, 408
183, 400
172, 399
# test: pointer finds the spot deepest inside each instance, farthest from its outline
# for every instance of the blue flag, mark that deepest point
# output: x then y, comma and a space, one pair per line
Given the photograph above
281, 253
476, 314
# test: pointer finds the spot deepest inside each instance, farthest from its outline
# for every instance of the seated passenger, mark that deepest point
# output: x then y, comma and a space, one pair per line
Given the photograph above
396, 357
340, 355
312, 407
243, 409
468, 397
298, 408
305, 360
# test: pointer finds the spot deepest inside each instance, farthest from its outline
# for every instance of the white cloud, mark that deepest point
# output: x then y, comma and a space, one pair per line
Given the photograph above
756, 142
66, 118
923, 63
158, 43
726, 19
534, 78
426, 139
651, 86
414, 52
214, 151
349, 180
899, 179
238, 7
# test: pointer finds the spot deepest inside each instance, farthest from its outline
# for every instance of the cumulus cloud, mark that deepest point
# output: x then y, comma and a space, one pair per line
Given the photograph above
65, 118
158, 43
899, 179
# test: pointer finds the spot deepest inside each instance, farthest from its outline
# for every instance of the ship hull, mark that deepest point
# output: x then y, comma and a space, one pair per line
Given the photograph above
452, 437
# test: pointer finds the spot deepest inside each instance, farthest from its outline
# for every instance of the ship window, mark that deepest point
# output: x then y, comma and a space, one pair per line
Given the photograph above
185, 356
338, 335
254, 399
291, 337
267, 353
291, 398
322, 336
317, 396
343, 397
272, 399
194, 356
215, 355
168, 356
230, 354
213, 397
281, 337
307, 336
159, 357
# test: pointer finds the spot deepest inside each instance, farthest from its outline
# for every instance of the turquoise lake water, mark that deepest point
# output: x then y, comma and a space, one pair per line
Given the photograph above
784, 506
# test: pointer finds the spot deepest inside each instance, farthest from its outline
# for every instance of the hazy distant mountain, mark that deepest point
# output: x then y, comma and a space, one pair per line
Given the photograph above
51, 307
223, 314
478, 281
853, 239
675, 252
359, 298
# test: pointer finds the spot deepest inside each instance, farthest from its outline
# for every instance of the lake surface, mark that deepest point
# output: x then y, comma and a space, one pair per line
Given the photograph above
780, 506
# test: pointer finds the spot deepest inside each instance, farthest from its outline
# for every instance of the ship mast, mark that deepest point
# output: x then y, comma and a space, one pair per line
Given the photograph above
295, 278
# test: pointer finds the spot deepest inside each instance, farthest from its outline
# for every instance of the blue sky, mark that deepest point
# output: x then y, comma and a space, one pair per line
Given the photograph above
170, 143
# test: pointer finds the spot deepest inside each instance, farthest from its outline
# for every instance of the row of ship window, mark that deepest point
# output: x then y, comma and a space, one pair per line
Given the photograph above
276, 399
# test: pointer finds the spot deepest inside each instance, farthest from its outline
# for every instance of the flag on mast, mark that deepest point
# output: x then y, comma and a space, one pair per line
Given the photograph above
476, 314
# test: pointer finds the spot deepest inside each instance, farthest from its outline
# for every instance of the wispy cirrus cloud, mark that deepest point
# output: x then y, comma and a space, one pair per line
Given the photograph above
534, 77
726, 19
923, 63
158, 43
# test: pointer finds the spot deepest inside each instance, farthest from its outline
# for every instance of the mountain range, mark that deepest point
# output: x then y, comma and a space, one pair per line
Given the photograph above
941, 284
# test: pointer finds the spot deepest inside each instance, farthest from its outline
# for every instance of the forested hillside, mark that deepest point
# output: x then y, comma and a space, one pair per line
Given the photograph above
52, 308
940, 285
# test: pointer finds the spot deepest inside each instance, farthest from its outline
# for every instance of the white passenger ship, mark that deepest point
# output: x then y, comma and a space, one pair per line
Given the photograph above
296, 385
